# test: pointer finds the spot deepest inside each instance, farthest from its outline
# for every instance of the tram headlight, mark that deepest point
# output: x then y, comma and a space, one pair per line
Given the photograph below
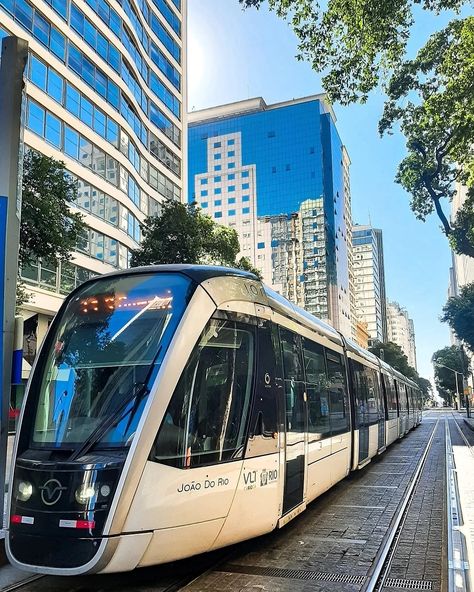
24, 491
84, 493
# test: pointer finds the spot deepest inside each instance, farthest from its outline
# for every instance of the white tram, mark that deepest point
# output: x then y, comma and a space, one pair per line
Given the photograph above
174, 410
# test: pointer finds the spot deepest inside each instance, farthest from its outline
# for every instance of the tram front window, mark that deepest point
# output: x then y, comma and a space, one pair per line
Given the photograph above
107, 347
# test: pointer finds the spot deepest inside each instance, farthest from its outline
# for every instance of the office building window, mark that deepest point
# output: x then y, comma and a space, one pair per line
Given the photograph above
218, 215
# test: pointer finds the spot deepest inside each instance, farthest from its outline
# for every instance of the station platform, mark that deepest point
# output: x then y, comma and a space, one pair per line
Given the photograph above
403, 522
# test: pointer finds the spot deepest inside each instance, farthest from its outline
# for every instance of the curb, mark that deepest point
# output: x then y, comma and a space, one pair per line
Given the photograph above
469, 423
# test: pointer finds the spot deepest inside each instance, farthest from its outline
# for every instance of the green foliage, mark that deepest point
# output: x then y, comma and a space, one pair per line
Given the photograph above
356, 43
425, 386
183, 234
445, 362
245, 264
432, 98
360, 45
49, 230
458, 312
393, 355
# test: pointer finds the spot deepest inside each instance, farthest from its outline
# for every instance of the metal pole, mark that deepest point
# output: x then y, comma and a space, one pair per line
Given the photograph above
13, 60
457, 398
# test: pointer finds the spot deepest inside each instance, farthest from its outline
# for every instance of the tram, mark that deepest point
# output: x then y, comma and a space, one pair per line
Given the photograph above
177, 409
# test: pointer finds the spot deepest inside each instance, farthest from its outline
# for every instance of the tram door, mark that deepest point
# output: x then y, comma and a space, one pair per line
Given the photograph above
361, 381
381, 404
295, 420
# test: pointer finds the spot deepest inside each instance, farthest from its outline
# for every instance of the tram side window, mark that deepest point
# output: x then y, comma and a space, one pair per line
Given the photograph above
316, 389
391, 396
206, 420
402, 396
338, 398
293, 372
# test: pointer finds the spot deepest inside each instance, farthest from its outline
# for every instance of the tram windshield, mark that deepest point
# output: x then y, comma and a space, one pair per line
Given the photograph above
104, 354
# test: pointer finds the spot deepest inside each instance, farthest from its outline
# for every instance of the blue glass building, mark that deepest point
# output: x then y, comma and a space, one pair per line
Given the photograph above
279, 175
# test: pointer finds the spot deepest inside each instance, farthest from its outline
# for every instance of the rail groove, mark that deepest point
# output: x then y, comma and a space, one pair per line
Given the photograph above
379, 577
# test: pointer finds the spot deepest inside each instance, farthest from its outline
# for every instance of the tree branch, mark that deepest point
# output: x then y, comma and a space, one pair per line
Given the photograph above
435, 197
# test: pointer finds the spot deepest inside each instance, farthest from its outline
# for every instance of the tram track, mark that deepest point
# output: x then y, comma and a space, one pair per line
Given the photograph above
379, 576
470, 447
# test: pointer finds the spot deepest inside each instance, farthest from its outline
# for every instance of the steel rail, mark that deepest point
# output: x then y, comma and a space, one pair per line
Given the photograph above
463, 436
384, 561
22, 583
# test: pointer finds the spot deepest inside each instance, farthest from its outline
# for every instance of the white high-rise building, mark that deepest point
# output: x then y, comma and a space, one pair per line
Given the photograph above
462, 271
106, 94
369, 280
401, 331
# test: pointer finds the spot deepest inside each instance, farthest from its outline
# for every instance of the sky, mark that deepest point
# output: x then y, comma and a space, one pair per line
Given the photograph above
235, 54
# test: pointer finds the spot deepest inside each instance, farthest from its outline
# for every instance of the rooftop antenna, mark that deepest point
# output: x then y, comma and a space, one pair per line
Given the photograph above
370, 220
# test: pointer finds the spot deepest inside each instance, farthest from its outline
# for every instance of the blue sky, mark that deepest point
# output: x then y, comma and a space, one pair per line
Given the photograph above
235, 54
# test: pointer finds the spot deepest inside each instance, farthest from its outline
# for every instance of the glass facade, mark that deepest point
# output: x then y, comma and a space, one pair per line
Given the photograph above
104, 93
278, 172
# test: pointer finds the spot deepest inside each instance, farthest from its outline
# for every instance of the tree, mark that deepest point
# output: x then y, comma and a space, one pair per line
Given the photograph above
360, 45
393, 355
49, 230
446, 361
181, 233
458, 312
425, 387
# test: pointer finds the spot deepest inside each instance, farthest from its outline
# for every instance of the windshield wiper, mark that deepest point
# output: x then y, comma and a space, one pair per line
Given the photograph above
115, 418
121, 412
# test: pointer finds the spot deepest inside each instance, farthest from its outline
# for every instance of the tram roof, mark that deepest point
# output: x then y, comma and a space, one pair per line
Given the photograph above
202, 273
198, 273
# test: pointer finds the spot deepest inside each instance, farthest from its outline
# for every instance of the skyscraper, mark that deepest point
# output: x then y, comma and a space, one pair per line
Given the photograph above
105, 93
401, 331
369, 280
278, 174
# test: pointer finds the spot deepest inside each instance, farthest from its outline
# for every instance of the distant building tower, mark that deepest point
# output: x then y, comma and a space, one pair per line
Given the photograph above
369, 280
279, 175
401, 331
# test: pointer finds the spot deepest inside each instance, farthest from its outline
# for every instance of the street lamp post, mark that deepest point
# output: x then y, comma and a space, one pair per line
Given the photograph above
456, 372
